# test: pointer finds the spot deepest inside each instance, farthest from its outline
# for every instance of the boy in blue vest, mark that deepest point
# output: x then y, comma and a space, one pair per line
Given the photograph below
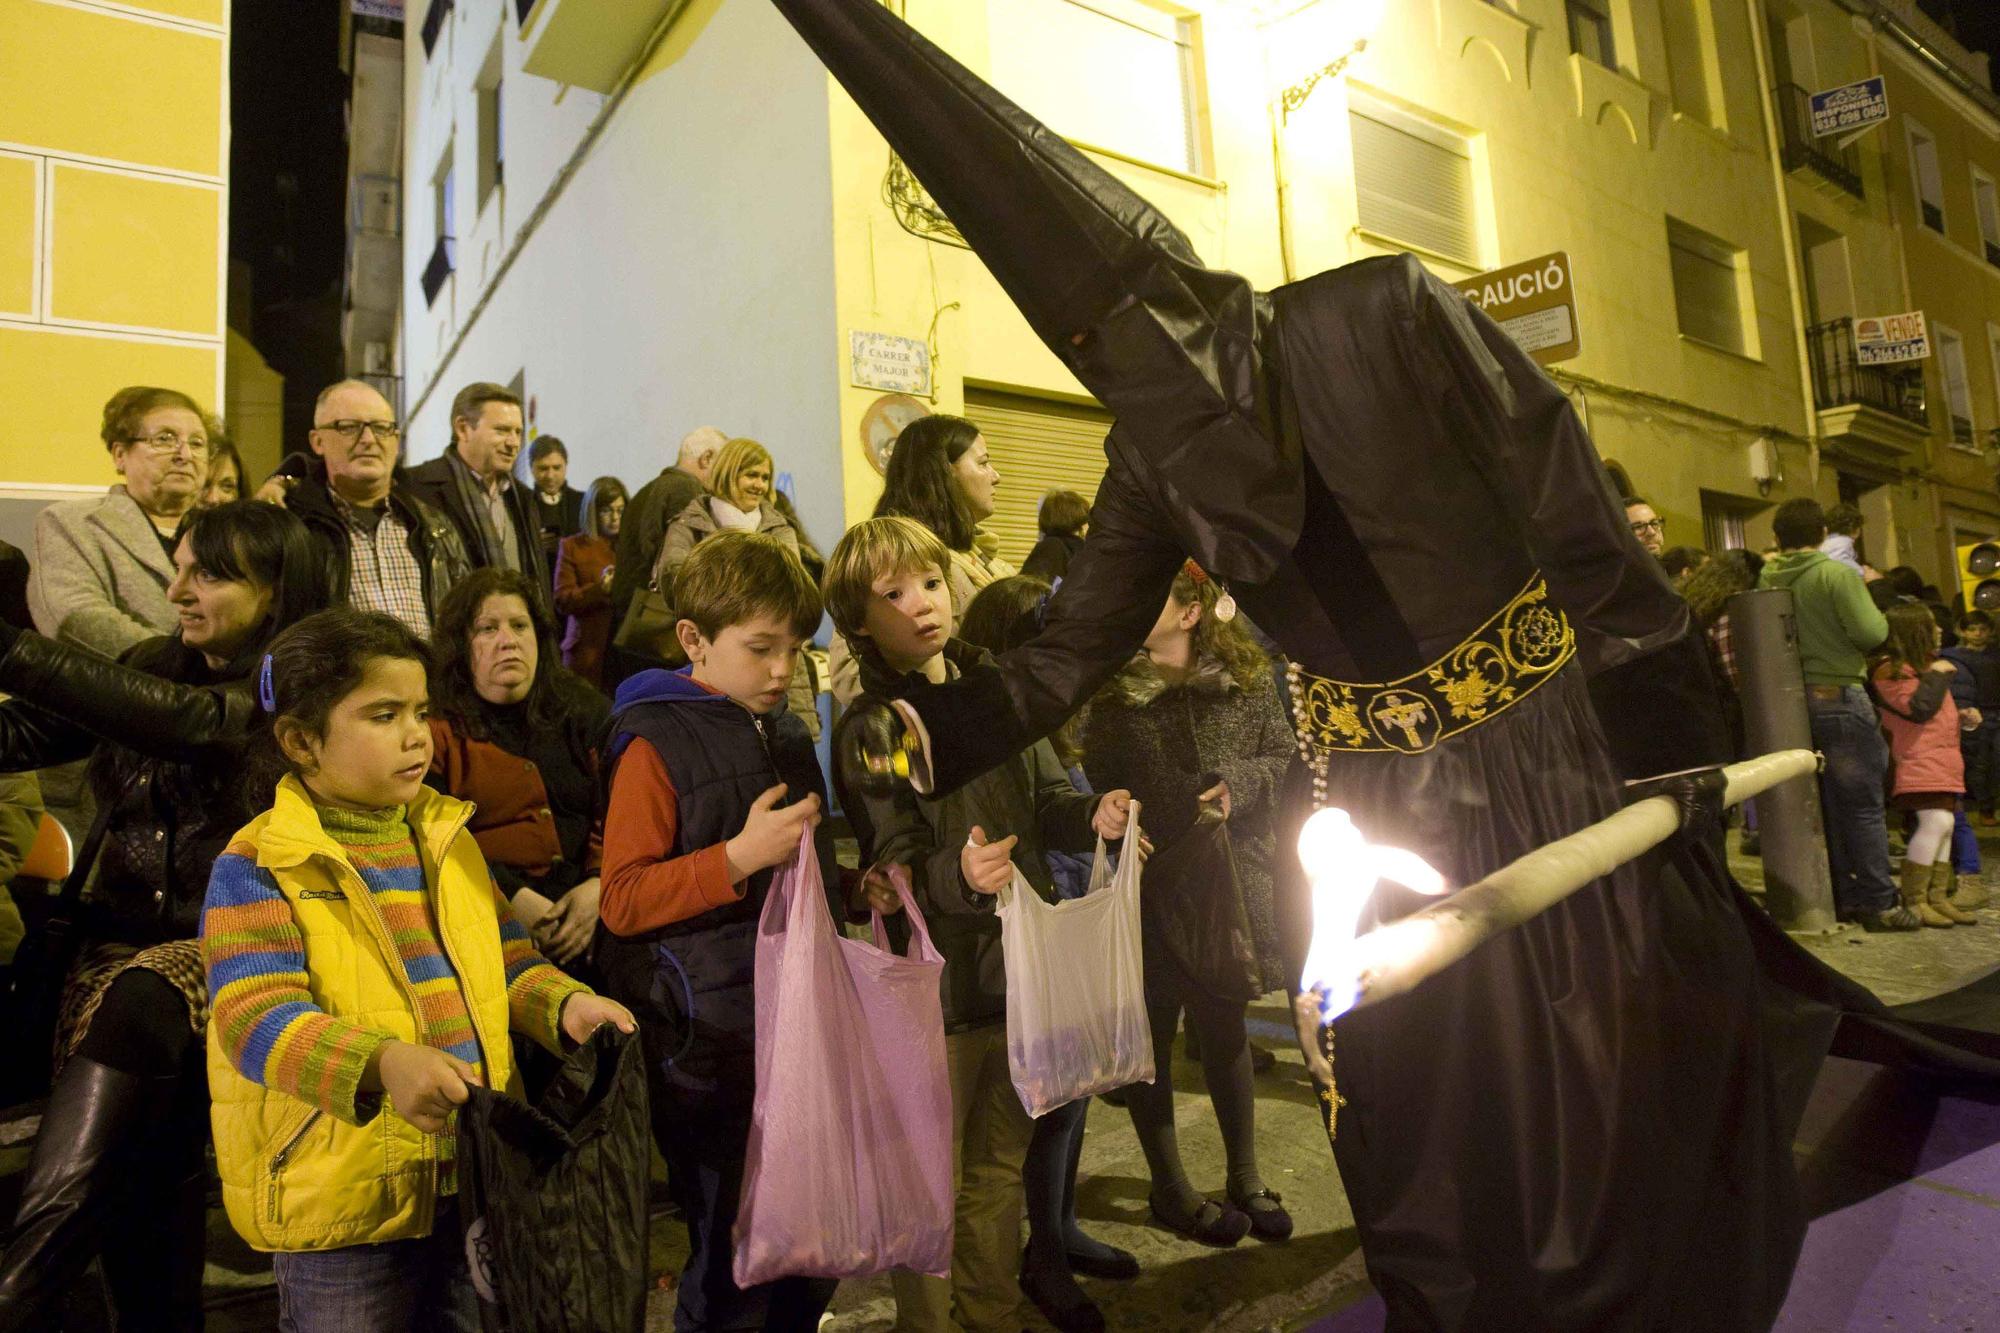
712, 784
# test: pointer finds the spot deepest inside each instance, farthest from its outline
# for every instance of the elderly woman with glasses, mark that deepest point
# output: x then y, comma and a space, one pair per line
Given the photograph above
101, 566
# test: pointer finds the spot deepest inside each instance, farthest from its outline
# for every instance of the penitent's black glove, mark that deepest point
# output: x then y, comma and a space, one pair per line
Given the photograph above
1698, 796
875, 749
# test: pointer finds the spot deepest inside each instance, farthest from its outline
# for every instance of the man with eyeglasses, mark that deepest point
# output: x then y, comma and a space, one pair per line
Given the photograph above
386, 549
473, 483
1647, 525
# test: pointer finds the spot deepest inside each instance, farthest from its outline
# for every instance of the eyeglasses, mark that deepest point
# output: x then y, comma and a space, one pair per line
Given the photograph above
1650, 525
167, 443
388, 432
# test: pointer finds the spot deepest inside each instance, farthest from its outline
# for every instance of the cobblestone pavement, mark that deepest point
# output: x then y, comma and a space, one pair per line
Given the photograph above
1252, 1287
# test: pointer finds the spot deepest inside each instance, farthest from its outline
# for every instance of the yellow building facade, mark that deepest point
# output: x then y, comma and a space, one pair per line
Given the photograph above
114, 165
1466, 132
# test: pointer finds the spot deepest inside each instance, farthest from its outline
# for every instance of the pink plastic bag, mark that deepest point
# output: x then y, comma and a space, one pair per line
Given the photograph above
849, 1165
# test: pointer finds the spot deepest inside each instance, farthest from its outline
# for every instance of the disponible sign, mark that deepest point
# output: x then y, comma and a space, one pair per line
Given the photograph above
1850, 107
1883, 340
1535, 303
885, 361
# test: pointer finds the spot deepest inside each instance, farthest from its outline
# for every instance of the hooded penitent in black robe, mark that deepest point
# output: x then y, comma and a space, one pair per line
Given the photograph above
1586, 1123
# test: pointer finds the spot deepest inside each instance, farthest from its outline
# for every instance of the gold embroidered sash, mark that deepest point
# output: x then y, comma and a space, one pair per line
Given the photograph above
1497, 666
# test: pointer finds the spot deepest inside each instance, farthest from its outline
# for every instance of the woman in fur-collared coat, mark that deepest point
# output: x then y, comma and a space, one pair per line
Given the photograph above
1192, 727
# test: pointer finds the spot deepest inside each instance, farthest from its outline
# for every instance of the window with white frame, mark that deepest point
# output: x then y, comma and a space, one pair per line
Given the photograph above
1987, 199
1711, 288
1116, 74
1689, 30
491, 154
444, 230
1413, 180
1925, 177
1993, 356
1957, 391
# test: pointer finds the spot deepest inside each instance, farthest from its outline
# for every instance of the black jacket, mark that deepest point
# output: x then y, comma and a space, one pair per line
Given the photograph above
434, 542
1029, 796
1049, 560
167, 736
437, 484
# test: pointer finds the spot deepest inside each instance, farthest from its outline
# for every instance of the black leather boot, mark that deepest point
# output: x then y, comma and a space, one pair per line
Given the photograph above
95, 1122
153, 1257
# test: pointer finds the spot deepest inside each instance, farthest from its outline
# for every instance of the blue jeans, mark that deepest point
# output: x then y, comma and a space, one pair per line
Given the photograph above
1964, 844
1846, 731
398, 1286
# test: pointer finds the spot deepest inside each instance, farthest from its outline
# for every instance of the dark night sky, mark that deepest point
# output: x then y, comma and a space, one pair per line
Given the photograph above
288, 168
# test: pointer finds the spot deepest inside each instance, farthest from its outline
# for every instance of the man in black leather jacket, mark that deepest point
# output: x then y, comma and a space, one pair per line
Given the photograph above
352, 491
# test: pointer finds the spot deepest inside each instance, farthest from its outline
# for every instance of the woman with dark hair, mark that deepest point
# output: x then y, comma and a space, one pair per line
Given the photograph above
519, 735
1063, 517
100, 567
939, 474
586, 562
166, 730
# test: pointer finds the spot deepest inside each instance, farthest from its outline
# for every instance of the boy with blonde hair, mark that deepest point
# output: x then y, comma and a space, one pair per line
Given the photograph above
887, 591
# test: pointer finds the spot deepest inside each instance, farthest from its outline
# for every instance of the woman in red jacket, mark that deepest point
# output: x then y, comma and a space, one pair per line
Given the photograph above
1913, 689
584, 568
519, 737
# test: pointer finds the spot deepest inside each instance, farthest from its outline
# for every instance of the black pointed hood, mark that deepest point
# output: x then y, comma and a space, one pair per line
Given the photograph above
1111, 286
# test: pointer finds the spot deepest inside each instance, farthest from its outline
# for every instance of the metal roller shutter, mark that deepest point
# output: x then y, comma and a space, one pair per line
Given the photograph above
1037, 445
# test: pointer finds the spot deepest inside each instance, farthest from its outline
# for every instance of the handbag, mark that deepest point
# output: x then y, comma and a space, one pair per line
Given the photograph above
553, 1195
848, 1169
1076, 986
648, 628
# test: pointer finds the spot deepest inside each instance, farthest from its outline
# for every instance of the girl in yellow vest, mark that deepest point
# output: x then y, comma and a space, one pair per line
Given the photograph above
363, 971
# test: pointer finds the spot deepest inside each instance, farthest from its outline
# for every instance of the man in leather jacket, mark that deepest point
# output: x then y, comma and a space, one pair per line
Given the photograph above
386, 550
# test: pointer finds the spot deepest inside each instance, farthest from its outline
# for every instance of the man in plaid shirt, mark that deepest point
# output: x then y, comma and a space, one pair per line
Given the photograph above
386, 550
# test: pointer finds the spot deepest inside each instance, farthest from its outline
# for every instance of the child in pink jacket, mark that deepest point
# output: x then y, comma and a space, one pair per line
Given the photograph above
1913, 692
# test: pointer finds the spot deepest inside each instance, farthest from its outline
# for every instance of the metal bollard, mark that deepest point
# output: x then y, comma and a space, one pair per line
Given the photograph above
1798, 887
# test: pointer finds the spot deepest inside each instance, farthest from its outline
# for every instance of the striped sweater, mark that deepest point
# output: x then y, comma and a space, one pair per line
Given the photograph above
271, 1028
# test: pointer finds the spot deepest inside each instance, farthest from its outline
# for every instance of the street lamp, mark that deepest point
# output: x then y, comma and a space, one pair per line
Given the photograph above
1308, 41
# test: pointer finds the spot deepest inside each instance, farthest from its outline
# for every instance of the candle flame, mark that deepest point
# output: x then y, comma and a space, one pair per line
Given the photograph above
1345, 869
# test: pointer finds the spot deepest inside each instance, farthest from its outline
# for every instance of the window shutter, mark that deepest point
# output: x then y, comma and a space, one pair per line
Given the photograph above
1037, 445
1705, 293
1412, 181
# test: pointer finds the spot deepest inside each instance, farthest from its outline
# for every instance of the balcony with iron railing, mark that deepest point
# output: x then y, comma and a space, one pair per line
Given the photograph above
1874, 412
1803, 150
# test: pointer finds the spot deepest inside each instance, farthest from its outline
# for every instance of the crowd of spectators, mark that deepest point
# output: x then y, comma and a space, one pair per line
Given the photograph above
393, 685
334, 657
1900, 693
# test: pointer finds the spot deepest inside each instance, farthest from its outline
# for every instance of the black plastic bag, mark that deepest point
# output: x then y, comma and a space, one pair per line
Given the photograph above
1195, 912
554, 1195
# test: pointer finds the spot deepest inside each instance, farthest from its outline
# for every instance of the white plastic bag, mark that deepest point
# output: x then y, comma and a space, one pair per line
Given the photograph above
1076, 1003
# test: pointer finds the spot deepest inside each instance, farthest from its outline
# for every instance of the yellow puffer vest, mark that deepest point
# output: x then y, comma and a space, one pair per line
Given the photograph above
293, 1176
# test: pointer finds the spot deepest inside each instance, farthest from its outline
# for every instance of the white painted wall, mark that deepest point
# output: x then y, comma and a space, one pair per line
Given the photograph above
683, 277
